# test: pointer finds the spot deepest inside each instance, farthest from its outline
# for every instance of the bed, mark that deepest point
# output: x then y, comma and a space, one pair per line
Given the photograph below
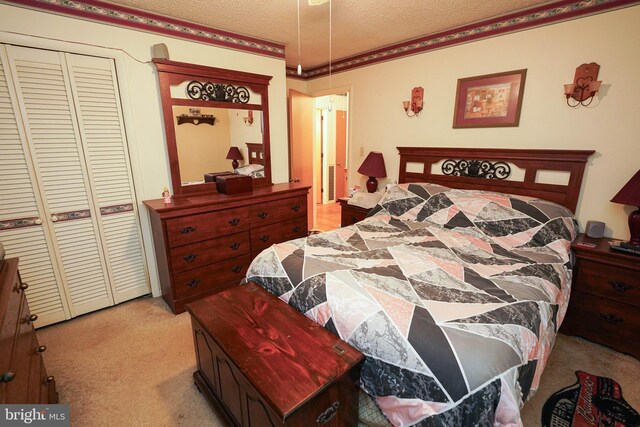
453, 288
255, 167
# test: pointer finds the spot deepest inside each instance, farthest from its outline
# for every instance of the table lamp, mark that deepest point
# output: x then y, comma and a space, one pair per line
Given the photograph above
630, 195
235, 155
373, 167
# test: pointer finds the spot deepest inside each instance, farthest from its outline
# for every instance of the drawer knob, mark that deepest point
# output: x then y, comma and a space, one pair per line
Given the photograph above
236, 269
619, 286
611, 318
235, 246
263, 215
49, 379
41, 349
23, 286
234, 221
7, 376
264, 237
193, 283
188, 230
295, 229
32, 318
354, 219
295, 207
190, 257
328, 413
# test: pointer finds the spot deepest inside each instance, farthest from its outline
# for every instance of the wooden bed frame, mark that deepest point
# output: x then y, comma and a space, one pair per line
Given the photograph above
472, 176
255, 151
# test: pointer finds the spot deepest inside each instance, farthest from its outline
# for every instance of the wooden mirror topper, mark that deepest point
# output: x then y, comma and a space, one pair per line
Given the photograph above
216, 122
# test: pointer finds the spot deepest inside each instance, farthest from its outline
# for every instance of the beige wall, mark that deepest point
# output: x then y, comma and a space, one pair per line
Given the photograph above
611, 126
139, 86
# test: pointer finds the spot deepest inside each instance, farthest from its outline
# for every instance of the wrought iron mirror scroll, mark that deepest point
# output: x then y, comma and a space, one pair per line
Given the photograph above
216, 96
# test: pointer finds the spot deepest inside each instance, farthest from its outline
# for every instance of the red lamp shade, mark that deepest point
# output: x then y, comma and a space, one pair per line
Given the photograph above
630, 195
235, 155
373, 167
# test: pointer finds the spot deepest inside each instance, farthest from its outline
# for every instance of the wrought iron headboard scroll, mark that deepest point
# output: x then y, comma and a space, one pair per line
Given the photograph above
476, 168
217, 92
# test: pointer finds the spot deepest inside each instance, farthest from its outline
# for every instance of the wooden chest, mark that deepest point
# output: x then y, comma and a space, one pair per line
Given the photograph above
261, 363
23, 378
605, 296
205, 244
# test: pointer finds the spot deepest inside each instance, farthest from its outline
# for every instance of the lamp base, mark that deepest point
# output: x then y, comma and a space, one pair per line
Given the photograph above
235, 164
372, 184
634, 227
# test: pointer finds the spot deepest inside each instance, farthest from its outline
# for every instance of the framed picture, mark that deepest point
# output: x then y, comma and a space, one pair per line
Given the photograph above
492, 100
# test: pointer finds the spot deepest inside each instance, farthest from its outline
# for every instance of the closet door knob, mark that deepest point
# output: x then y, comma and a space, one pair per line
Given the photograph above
54, 218
38, 221
41, 349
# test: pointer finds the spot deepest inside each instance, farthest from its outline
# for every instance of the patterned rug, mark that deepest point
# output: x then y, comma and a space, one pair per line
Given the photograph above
592, 401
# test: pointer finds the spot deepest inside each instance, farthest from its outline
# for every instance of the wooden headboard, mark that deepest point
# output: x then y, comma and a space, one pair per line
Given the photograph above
467, 168
255, 153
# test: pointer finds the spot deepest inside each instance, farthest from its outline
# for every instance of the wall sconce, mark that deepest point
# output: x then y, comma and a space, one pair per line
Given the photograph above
248, 120
585, 85
416, 102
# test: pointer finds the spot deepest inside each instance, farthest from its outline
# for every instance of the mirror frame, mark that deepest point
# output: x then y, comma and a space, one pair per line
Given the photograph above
173, 73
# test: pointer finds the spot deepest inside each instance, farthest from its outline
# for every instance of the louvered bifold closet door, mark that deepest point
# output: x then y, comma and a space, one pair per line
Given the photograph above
21, 226
46, 104
97, 104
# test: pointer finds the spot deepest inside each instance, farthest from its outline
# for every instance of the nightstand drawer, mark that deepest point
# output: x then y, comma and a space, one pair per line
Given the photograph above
603, 317
609, 282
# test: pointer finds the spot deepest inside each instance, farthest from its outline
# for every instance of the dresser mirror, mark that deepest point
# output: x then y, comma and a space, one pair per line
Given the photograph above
216, 121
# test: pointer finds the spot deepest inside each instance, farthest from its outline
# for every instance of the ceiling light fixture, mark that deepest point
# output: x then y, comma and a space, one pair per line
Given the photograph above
299, 65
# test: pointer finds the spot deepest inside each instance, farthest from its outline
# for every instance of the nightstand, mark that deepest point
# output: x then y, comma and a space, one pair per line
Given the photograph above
350, 214
605, 298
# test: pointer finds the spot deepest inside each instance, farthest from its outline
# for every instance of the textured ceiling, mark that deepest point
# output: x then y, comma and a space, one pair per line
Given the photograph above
357, 25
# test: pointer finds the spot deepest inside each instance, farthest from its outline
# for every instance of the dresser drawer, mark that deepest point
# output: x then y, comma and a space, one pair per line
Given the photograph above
604, 317
609, 281
17, 388
195, 228
199, 254
9, 327
263, 237
212, 276
279, 210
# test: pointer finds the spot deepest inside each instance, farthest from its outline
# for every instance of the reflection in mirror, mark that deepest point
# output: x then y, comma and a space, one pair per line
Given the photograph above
203, 147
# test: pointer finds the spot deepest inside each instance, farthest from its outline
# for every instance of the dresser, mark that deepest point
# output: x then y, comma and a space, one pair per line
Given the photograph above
205, 244
23, 377
262, 363
350, 214
605, 298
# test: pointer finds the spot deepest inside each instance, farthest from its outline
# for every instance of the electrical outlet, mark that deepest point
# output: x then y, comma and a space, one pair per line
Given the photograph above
361, 151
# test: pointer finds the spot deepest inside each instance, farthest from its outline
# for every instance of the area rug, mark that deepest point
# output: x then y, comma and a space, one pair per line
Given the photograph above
592, 401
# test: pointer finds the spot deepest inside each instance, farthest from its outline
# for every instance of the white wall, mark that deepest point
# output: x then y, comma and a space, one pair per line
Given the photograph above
611, 125
140, 93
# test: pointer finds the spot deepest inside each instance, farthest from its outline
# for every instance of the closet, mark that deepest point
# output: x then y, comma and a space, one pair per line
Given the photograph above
67, 202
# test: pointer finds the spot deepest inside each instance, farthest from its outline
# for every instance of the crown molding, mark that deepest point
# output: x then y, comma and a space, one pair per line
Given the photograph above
536, 17
101, 11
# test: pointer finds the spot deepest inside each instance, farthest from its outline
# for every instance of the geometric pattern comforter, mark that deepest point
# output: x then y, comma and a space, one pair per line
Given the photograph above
453, 296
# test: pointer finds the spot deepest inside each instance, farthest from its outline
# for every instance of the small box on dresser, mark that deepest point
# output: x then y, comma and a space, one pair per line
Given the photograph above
605, 298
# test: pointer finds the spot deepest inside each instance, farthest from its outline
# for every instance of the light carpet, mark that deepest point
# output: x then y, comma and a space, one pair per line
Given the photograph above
132, 365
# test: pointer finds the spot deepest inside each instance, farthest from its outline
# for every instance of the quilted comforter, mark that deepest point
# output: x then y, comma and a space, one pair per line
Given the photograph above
453, 296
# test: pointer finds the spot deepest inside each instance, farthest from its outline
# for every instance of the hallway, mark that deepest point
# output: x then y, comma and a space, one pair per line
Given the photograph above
327, 216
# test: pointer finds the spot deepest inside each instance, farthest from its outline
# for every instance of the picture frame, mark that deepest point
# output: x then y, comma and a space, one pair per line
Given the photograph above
490, 100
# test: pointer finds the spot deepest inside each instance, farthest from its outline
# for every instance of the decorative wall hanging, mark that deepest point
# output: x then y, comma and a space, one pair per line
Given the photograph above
196, 120
585, 85
217, 92
491, 100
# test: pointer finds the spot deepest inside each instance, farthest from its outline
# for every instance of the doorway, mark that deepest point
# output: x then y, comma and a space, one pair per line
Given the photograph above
318, 150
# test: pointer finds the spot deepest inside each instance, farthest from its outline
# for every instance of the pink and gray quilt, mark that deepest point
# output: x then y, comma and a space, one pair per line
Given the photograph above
453, 296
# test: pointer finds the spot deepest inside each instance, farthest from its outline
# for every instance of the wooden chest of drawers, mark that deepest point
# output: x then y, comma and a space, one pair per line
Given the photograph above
605, 299
261, 363
350, 214
205, 244
23, 378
